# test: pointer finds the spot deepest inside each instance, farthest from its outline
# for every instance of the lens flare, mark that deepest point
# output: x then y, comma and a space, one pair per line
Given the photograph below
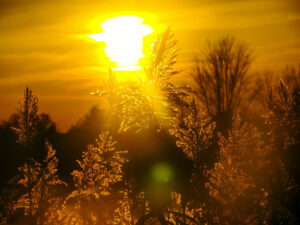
123, 37
161, 173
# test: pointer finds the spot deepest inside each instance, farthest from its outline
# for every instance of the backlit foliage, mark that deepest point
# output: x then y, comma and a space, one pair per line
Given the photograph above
7, 201
122, 214
184, 212
242, 181
283, 122
152, 101
130, 208
194, 135
100, 167
40, 181
283, 104
26, 128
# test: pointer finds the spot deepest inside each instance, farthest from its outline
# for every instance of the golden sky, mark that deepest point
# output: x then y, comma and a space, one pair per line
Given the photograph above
42, 44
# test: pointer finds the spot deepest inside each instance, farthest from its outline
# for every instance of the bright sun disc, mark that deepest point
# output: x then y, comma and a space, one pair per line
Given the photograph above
123, 37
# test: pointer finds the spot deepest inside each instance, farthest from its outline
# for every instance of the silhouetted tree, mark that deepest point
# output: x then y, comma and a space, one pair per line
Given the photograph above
27, 117
71, 144
222, 80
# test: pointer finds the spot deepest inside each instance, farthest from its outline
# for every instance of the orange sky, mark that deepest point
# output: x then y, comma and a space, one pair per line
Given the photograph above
41, 43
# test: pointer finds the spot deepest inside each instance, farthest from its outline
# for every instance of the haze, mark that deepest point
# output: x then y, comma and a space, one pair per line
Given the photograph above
43, 44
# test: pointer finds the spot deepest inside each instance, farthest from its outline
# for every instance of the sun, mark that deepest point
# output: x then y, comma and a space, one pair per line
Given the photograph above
123, 37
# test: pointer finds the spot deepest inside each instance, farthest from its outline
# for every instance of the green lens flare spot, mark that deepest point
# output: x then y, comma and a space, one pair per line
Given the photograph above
161, 173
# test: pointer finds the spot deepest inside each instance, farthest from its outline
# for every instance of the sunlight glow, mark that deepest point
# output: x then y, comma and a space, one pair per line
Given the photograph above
123, 37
